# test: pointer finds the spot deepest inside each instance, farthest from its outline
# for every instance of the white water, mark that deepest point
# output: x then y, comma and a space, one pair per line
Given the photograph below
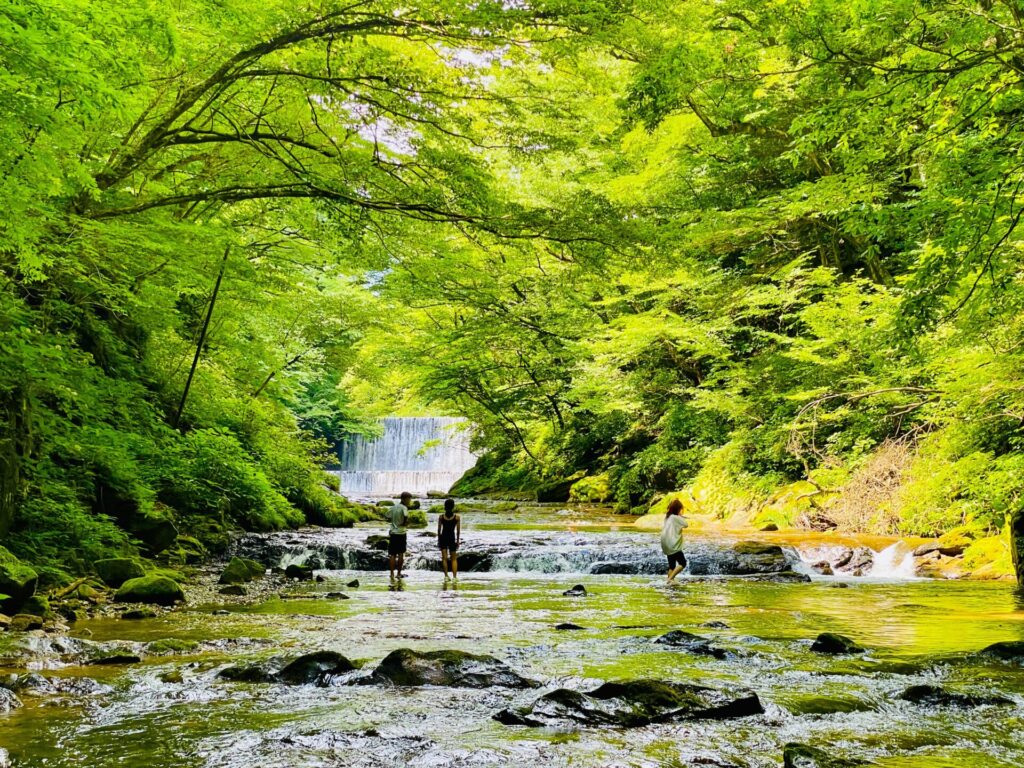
894, 562
415, 454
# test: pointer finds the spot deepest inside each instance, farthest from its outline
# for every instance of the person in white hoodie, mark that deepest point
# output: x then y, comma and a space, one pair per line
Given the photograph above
672, 539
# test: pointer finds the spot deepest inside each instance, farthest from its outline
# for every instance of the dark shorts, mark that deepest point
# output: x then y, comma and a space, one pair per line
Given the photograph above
447, 542
396, 543
676, 559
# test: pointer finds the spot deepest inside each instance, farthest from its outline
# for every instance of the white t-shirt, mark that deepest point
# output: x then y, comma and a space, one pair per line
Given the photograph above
398, 518
672, 534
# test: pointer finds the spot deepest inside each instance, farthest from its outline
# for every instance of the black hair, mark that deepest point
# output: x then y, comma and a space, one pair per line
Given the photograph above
449, 505
405, 495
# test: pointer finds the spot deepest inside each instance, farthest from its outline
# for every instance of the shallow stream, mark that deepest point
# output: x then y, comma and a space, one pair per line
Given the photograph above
172, 710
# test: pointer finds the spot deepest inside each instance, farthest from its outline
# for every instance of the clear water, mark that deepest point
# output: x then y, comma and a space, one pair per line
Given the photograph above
916, 631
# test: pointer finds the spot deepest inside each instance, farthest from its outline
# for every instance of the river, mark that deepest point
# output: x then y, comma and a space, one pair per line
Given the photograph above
172, 709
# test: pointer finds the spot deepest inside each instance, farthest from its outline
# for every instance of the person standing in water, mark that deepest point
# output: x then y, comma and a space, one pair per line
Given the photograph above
397, 541
449, 536
672, 539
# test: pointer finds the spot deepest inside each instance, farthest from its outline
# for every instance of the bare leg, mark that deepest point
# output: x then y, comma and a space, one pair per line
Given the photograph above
391, 566
401, 564
673, 573
455, 565
444, 562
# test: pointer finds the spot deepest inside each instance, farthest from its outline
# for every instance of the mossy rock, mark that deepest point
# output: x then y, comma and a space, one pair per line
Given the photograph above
37, 605
155, 528
803, 756
169, 645
595, 488
188, 550
115, 571
416, 518
241, 570
17, 580
557, 490
505, 506
386, 503
158, 590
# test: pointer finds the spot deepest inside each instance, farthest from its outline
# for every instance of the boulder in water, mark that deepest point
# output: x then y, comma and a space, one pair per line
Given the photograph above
136, 614
354, 583
568, 626
115, 658
691, 643
236, 590
937, 696
115, 571
633, 704
1007, 650
377, 541
8, 700
300, 572
577, 590
159, 590
804, 756
25, 622
715, 625
831, 643
456, 669
241, 570
316, 668
337, 596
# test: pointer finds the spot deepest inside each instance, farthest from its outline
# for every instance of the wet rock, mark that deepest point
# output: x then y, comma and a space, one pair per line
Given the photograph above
32, 683
114, 658
715, 625
783, 577
927, 549
37, 685
17, 581
354, 583
831, 643
743, 559
115, 571
235, 590
860, 559
257, 672
568, 625
377, 541
691, 643
456, 669
168, 645
622, 568
222, 612
159, 590
1007, 650
319, 579
633, 704
241, 570
937, 696
337, 596
24, 622
577, 590
8, 700
315, 668
813, 704
300, 572
824, 568
804, 756
37, 605
135, 614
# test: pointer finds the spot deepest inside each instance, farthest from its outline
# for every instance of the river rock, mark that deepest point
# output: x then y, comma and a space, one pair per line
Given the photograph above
337, 596
577, 590
235, 590
377, 541
456, 669
691, 643
241, 570
8, 700
568, 626
804, 756
937, 696
1007, 650
17, 581
158, 590
742, 559
316, 668
300, 572
859, 563
115, 571
136, 614
633, 704
715, 625
354, 583
831, 643
114, 658
25, 622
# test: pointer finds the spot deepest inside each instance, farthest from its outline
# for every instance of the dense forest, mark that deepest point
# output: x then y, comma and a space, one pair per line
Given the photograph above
763, 254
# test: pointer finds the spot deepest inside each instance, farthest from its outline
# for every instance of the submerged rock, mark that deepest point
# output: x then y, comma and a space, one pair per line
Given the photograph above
678, 638
575, 591
354, 583
300, 572
456, 669
1007, 650
568, 625
937, 696
804, 756
159, 590
115, 571
831, 643
136, 614
633, 704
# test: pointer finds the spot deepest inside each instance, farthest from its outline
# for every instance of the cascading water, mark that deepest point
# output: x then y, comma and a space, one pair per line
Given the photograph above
894, 562
415, 454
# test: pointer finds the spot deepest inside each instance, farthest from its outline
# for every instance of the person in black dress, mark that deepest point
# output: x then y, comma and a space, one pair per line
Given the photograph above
449, 536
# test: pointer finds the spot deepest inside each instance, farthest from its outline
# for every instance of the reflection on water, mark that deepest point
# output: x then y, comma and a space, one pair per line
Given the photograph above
172, 711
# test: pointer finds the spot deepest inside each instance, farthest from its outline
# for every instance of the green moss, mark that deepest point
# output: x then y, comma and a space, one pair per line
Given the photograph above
416, 518
241, 571
594, 488
115, 571
158, 590
170, 645
17, 580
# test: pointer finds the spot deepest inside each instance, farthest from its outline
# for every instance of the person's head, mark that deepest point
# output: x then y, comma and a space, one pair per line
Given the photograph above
405, 498
675, 507
449, 506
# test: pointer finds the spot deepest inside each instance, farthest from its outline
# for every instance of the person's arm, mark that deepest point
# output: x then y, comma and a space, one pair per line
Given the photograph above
458, 529
438, 527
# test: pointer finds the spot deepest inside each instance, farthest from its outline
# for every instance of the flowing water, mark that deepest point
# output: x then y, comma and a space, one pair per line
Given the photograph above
172, 710
416, 454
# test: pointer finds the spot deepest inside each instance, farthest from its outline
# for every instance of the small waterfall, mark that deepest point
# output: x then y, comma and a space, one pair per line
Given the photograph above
894, 562
415, 454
